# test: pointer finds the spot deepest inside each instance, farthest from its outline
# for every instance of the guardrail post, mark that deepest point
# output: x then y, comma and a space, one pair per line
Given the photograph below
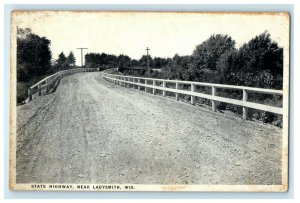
133, 85
164, 86
139, 87
145, 84
29, 94
177, 94
245, 109
153, 83
39, 89
192, 97
47, 87
213, 103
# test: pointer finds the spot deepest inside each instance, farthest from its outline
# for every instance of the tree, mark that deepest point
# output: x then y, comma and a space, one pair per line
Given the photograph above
143, 61
176, 68
206, 56
33, 54
62, 61
123, 61
102, 61
23, 33
71, 60
134, 63
258, 63
159, 62
225, 67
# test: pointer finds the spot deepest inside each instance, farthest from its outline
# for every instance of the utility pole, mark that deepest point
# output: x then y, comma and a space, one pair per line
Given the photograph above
82, 55
147, 57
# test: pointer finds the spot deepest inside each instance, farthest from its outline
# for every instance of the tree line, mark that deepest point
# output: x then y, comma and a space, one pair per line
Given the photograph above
107, 61
65, 62
257, 63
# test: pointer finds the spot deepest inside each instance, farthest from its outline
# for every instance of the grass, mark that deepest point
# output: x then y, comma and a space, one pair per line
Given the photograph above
22, 88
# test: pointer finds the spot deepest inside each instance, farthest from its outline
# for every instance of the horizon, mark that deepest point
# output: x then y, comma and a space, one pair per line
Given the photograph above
165, 33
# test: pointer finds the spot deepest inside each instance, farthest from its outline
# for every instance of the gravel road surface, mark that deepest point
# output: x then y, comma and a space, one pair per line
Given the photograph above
93, 131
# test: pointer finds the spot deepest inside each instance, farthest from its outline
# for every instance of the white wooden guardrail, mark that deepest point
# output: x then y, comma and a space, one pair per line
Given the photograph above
137, 82
50, 80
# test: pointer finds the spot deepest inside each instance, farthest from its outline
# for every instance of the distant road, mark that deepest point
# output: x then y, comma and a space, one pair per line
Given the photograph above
92, 131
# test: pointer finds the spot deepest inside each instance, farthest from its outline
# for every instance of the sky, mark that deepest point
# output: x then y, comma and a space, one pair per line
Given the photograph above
129, 33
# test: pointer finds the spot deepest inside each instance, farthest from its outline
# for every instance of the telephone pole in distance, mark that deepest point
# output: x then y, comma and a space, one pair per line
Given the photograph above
147, 57
82, 55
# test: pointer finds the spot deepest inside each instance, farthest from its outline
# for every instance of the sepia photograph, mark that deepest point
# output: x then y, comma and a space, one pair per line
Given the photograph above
149, 101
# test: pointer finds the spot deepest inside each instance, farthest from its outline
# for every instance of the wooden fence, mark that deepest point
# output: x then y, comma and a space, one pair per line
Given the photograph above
161, 84
49, 81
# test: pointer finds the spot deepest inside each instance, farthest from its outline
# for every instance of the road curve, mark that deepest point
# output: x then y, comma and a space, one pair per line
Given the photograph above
92, 131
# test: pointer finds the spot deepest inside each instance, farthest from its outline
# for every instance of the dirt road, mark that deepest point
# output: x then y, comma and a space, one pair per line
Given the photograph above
92, 131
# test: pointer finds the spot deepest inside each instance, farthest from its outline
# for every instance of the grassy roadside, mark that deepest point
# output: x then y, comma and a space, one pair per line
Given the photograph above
22, 88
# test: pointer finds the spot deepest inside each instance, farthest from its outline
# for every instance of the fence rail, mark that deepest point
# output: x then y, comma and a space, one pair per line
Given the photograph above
49, 81
244, 103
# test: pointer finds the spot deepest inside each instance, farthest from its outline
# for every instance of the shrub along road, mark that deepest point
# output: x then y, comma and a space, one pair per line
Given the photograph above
92, 131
